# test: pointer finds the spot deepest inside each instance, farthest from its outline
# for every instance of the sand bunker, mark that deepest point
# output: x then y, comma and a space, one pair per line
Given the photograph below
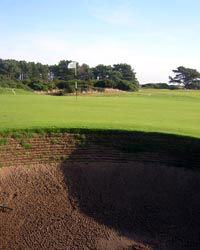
114, 202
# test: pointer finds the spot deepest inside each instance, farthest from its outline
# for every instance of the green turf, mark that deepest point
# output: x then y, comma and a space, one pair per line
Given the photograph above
9, 91
176, 112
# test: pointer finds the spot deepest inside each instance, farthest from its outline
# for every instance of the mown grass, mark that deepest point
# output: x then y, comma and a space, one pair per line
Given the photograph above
9, 91
174, 112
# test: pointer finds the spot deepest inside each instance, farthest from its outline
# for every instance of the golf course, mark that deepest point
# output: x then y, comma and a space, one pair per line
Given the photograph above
99, 125
149, 110
103, 171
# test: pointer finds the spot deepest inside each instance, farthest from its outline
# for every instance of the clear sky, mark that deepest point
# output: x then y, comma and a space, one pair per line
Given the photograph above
154, 36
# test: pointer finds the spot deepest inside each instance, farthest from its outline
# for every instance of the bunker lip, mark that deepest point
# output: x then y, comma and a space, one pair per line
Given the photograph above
85, 130
99, 190
12, 144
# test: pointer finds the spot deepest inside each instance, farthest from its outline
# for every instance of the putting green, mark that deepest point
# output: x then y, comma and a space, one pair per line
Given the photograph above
176, 112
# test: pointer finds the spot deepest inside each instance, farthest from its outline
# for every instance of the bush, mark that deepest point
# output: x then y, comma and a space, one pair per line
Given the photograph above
127, 85
61, 84
118, 84
106, 83
69, 86
156, 85
8, 83
38, 85
51, 85
161, 86
174, 87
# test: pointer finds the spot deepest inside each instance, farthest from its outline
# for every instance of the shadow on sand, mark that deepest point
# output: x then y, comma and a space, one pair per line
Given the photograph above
146, 186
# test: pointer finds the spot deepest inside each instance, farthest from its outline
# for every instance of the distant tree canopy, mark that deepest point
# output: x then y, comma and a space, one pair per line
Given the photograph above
189, 78
21, 70
39, 76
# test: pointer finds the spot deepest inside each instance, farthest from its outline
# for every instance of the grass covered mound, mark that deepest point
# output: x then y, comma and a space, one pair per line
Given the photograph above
165, 111
10, 91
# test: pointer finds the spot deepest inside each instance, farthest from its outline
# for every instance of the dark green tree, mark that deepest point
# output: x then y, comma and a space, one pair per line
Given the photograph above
41, 77
24, 70
102, 71
44, 71
84, 72
9, 68
127, 73
185, 76
33, 71
64, 73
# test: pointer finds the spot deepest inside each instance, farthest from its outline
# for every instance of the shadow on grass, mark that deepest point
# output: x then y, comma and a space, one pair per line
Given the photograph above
143, 185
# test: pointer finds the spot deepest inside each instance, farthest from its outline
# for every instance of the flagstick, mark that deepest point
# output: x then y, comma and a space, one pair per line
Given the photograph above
73, 65
76, 87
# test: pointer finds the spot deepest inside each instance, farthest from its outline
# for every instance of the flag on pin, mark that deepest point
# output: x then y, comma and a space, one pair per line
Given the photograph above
72, 65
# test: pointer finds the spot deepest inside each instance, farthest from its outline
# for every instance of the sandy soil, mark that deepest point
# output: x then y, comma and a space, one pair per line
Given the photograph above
43, 216
100, 205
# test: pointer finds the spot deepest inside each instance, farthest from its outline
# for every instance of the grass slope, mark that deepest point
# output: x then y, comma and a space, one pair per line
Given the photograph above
9, 91
176, 112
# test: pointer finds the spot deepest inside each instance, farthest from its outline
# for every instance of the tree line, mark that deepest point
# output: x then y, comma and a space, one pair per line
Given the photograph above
38, 76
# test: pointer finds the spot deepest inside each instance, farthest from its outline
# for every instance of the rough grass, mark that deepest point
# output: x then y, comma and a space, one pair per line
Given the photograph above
176, 112
9, 91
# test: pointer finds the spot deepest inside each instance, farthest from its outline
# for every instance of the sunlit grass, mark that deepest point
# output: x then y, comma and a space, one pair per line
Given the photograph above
150, 110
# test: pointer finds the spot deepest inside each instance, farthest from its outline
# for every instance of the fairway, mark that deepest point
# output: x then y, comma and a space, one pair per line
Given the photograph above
176, 112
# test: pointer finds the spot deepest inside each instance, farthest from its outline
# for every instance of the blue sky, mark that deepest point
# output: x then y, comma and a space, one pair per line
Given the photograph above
154, 36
